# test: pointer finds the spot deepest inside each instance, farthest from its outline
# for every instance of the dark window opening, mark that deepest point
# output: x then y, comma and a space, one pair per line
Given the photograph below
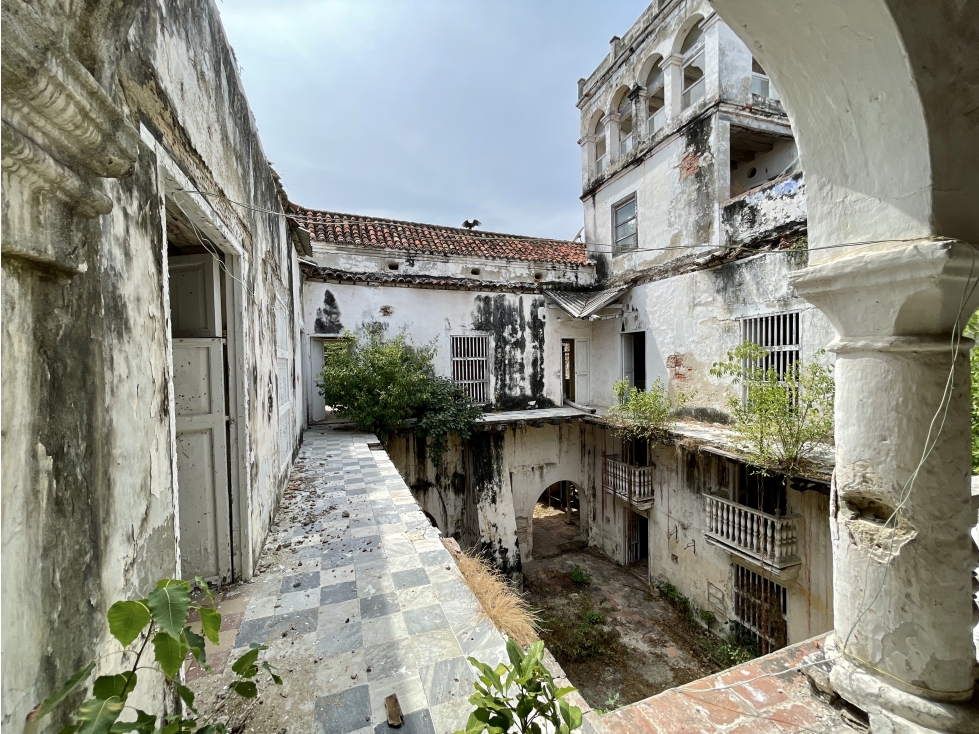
634, 359
567, 368
761, 492
638, 537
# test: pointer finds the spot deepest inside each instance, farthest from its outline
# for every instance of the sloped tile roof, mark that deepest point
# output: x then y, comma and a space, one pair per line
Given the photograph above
433, 239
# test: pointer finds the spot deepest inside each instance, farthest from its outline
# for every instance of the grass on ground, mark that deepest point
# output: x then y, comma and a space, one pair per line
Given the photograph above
578, 633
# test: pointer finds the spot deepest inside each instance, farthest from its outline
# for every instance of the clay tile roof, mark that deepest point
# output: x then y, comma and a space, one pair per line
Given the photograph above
392, 234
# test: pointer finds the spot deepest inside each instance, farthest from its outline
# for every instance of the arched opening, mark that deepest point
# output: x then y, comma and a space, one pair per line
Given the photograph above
761, 85
655, 101
624, 108
557, 520
692, 81
601, 145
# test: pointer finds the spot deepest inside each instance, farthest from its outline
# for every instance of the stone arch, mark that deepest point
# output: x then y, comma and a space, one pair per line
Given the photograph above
646, 68
594, 121
621, 92
560, 495
684, 32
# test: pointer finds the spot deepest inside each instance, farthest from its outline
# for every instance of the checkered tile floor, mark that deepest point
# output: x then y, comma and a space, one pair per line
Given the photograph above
377, 600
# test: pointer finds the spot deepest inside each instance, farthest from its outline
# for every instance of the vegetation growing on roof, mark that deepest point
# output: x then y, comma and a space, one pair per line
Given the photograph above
645, 414
379, 383
782, 418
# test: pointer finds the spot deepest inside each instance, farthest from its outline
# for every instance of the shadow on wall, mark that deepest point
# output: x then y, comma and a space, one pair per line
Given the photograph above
328, 317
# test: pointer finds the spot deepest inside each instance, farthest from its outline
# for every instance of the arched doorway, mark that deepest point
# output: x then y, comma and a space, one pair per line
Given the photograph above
556, 523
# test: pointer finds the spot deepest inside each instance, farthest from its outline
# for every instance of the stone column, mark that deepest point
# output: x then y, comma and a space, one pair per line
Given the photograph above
612, 137
587, 144
672, 86
640, 115
901, 506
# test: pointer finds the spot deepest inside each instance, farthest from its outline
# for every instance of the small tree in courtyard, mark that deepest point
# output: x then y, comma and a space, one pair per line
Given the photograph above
379, 383
783, 416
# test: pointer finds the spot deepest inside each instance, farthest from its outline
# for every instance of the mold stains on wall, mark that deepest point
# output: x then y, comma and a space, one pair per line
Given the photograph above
692, 210
387, 310
328, 317
505, 318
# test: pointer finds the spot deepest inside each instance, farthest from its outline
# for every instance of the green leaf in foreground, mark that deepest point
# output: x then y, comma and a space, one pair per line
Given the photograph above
170, 652
195, 643
48, 704
97, 716
245, 688
127, 619
118, 686
169, 606
210, 623
245, 665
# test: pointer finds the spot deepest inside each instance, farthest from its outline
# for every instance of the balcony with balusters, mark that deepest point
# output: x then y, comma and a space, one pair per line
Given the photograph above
769, 540
634, 484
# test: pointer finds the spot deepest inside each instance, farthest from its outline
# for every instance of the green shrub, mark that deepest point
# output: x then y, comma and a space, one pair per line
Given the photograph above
379, 383
708, 616
644, 414
782, 418
579, 635
160, 618
520, 696
580, 576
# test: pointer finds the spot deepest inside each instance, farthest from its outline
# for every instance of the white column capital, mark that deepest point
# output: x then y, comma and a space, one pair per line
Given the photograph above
895, 296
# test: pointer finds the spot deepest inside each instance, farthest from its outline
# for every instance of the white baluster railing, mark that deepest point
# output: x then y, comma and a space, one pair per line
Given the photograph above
628, 482
769, 538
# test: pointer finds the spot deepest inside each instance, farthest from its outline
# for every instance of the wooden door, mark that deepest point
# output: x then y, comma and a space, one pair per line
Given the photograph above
628, 360
582, 360
201, 417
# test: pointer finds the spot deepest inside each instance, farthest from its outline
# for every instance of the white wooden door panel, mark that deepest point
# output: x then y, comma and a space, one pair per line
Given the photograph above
582, 366
202, 455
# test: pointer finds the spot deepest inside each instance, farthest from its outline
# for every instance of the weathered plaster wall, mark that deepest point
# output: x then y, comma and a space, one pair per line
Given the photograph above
703, 571
524, 364
89, 483
766, 213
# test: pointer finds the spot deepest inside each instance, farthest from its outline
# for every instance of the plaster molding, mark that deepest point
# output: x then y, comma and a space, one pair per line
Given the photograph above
922, 288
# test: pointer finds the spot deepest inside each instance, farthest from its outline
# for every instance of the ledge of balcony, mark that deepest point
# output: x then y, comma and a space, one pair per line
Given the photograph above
786, 569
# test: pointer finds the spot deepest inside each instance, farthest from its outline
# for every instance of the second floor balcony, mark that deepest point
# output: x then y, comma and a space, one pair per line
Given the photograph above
771, 540
632, 483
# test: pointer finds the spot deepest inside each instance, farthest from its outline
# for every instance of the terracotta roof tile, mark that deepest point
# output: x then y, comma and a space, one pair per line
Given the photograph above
433, 239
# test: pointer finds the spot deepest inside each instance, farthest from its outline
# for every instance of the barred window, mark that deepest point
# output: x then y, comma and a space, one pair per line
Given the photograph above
779, 336
761, 606
470, 365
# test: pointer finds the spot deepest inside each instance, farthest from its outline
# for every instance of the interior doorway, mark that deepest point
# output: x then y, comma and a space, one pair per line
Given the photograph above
568, 369
634, 359
638, 538
199, 313
556, 525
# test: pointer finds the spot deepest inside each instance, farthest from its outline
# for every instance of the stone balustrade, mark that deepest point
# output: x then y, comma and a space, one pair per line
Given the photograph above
769, 539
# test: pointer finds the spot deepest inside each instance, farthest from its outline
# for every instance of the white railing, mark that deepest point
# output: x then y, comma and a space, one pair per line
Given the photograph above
633, 483
600, 164
694, 92
767, 538
625, 145
762, 86
657, 121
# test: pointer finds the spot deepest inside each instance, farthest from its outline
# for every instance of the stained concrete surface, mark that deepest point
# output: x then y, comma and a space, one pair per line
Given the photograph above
352, 608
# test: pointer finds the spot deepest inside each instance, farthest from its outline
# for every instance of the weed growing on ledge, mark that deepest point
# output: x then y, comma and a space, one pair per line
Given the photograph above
784, 415
160, 618
645, 414
520, 696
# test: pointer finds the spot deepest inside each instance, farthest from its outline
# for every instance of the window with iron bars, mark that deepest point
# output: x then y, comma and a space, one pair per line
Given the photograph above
779, 335
761, 606
470, 365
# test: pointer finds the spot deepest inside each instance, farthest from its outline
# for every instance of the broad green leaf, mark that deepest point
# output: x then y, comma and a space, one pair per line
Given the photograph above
245, 688
70, 729
127, 619
561, 692
514, 652
47, 705
119, 686
97, 716
271, 671
202, 584
145, 724
169, 606
187, 696
163, 583
195, 643
172, 728
245, 665
170, 652
211, 623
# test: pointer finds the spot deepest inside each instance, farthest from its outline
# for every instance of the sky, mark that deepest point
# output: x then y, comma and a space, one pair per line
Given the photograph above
430, 111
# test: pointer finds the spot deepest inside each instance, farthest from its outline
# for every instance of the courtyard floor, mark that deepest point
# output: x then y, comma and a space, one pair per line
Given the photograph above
356, 598
659, 652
